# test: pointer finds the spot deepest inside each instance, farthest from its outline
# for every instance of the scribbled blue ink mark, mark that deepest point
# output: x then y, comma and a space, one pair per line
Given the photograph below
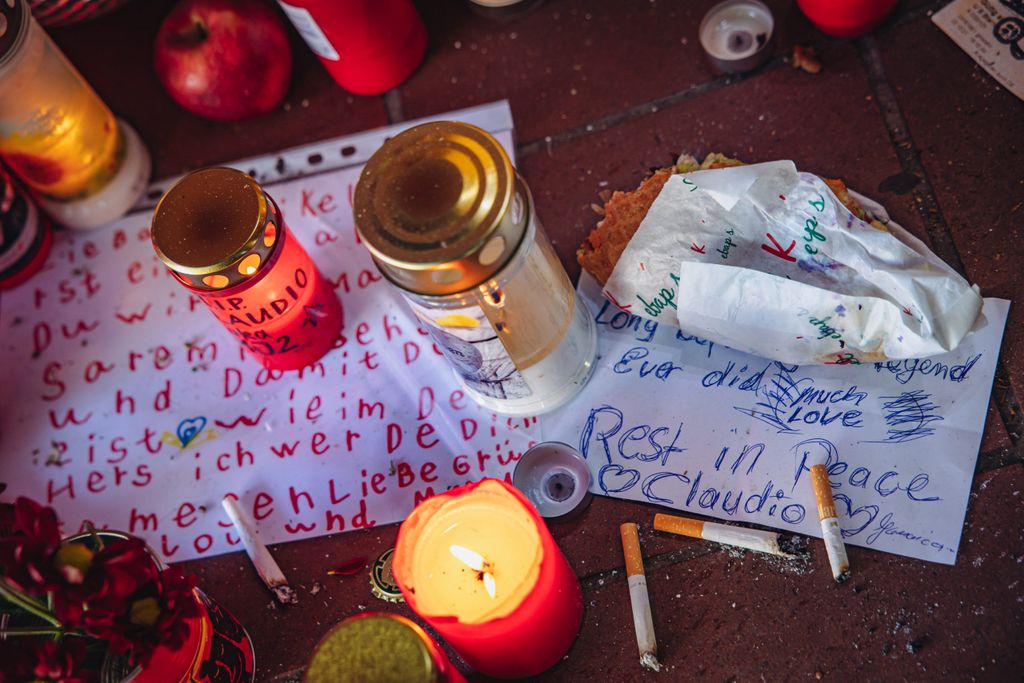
909, 416
820, 264
780, 393
841, 310
189, 428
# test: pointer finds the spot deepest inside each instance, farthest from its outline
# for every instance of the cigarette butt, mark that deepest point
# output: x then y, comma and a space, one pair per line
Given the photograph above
631, 549
638, 598
740, 537
270, 573
830, 531
682, 526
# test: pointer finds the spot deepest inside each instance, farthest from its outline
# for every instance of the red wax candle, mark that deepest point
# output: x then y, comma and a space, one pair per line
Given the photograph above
226, 241
479, 565
846, 18
368, 46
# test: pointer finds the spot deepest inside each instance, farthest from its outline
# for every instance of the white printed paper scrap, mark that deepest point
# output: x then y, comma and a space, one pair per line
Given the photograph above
992, 33
127, 404
767, 260
680, 421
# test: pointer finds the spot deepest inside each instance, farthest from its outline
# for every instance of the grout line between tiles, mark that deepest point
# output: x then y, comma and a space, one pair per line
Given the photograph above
1009, 408
640, 110
907, 154
998, 459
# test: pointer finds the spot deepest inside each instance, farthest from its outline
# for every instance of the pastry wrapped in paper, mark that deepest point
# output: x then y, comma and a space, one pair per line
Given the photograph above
768, 260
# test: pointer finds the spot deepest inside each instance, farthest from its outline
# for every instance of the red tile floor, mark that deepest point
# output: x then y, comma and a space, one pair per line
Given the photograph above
601, 91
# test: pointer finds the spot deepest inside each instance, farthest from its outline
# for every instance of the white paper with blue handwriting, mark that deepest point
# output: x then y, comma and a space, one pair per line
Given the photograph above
767, 260
683, 422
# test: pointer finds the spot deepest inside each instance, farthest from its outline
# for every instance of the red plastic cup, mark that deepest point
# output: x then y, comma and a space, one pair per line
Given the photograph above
846, 18
368, 46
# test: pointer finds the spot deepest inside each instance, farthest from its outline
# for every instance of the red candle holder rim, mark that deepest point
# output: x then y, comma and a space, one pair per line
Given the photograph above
397, 562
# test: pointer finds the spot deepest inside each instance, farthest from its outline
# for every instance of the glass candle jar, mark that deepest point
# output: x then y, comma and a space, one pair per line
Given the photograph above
451, 224
225, 239
25, 235
57, 135
377, 647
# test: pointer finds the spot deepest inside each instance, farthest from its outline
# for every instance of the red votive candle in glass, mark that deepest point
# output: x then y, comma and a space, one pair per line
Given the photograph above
225, 239
479, 565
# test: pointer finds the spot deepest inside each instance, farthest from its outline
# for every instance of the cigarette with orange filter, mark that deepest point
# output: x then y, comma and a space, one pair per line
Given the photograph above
830, 531
638, 598
741, 537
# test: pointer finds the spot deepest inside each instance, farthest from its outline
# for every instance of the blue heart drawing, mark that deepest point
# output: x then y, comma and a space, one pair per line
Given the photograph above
189, 429
870, 510
618, 471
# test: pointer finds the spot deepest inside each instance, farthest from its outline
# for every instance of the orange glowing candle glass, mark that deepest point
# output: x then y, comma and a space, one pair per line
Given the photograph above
479, 565
225, 239
86, 167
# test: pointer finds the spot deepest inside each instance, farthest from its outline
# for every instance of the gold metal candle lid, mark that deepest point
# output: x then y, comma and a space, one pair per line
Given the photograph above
378, 648
215, 228
431, 206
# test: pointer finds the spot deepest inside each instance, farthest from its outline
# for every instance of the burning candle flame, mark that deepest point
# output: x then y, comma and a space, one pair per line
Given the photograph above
475, 561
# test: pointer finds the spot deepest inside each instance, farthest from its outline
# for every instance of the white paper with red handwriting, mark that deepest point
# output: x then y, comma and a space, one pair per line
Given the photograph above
125, 403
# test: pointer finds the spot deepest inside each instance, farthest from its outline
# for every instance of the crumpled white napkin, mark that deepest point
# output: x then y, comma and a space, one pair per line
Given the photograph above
767, 260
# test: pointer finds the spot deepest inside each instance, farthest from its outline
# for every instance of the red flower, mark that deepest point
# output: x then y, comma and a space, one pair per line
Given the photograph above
26, 554
117, 593
43, 661
135, 607
104, 580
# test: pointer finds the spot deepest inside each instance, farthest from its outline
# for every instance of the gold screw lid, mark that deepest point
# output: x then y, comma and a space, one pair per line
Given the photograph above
373, 648
215, 228
432, 206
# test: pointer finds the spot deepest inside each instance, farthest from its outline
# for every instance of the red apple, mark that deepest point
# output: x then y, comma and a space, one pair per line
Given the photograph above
224, 59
